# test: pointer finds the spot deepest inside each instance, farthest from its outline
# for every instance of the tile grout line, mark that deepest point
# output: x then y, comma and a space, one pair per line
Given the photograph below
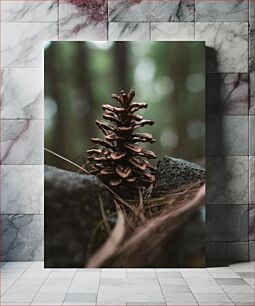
2, 277
98, 286
222, 288
160, 286
69, 286
189, 287
40, 287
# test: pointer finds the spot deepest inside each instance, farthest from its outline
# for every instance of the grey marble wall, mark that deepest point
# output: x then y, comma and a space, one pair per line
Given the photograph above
228, 30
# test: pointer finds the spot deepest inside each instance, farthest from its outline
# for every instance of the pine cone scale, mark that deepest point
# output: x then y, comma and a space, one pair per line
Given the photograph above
121, 163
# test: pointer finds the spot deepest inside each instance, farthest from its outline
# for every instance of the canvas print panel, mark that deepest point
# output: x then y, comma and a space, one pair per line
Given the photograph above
124, 154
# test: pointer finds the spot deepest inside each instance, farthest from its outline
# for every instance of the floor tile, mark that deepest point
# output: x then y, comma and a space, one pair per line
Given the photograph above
81, 297
171, 281
237, 288
250, 281
213, 299
243, 267
113, 273
175, 289
230, 281
246, 274
146, 303
180, 299
198, 273
17, 297
224, 272
88, 274
206, 289
84, 285
45, 298
242, 299
141, 273
111, 295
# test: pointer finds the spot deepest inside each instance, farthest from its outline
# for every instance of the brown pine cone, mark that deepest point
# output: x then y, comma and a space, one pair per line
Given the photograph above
121, 163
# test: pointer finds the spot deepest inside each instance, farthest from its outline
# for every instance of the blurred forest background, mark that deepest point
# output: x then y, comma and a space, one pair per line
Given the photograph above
81, 76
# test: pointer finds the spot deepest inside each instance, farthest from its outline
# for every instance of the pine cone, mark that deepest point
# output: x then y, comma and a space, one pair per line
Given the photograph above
121, 163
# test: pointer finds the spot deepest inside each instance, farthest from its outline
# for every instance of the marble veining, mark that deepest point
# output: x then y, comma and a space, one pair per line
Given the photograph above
22, 93
227, 93
21, 142
22, 237
229, 43
181, 31
151, 10
228, 181
234, 10
81, 23
22, 10
22, 189
23, 43
129, 31
227, 135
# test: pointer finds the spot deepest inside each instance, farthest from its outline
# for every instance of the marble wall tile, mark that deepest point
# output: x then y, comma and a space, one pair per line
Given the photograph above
21, 142
227, 223
172, 31
227, 135
79, 23
129, 31
23, 10
227, 94
228, 43
23, 43
251, 94
251, 47
238, 251
251, 135
22, 93
216, 252
22, 189
234, 10
251, 10
251, 250
228, 180
151, 10
251, 179
22, 237
251, 68
251, 222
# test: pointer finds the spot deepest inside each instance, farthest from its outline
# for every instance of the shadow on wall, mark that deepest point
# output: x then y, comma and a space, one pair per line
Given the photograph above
212, 171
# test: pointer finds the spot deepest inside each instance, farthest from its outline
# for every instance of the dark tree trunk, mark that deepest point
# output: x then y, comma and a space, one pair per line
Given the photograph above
121, 65
53, 76
84, 83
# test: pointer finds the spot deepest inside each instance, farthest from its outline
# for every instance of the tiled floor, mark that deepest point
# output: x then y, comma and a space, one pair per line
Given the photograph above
28, 283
